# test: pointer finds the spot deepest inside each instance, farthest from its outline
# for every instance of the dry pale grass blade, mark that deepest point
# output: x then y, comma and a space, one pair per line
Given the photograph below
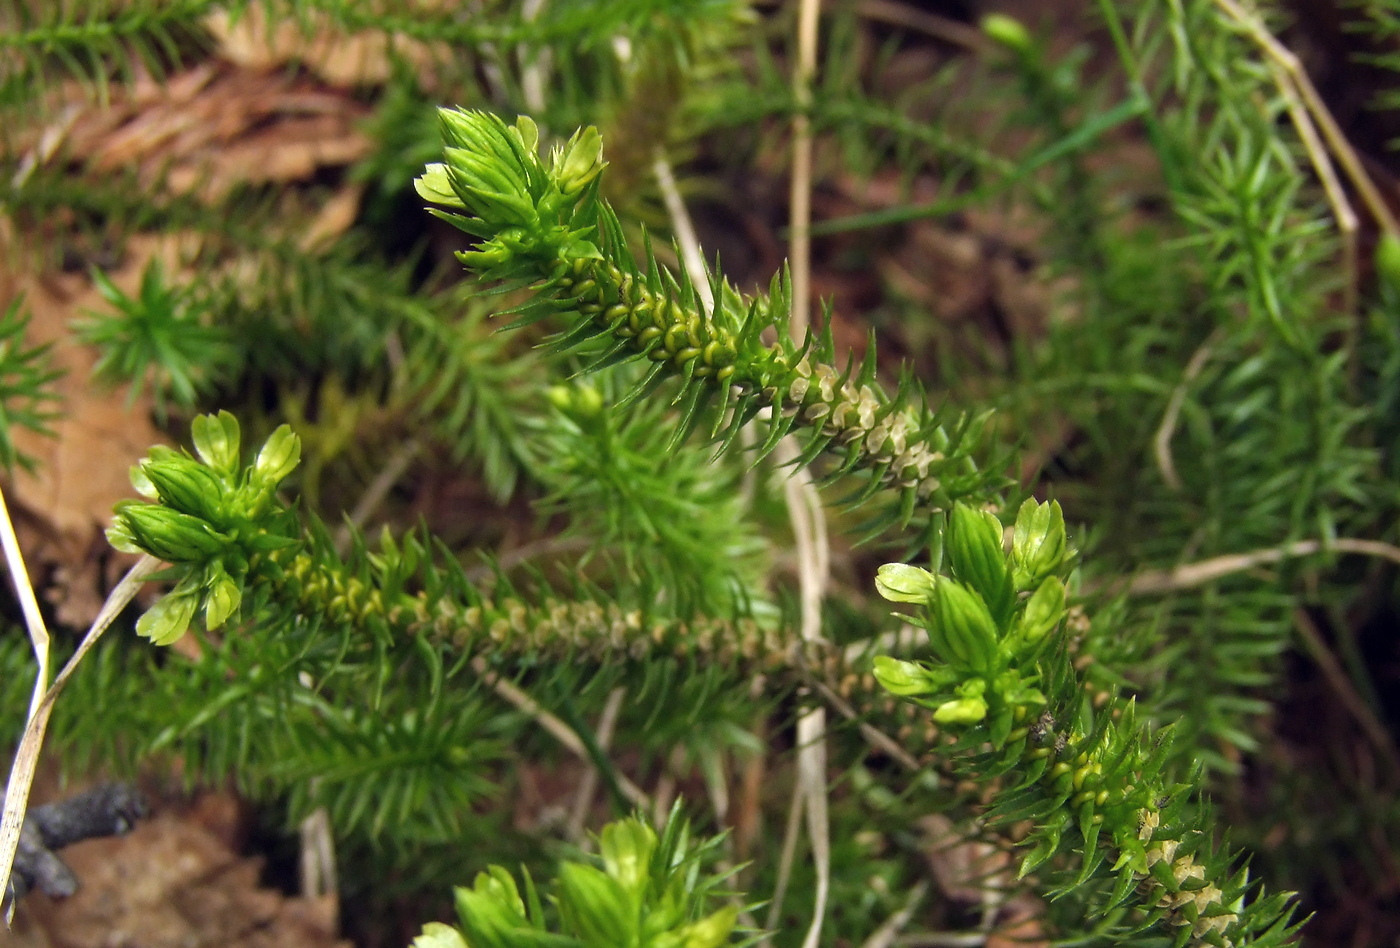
555, 727
813, 557
1320, 134
1190, 575
1162, 442
29, 605
317, 862
803, 502
786, 857
684, 229
27, 755
885, 935
588, 785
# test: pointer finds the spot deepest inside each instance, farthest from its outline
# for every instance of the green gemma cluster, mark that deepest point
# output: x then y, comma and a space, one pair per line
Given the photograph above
215, 518
540, 225
650, 891
1091, 780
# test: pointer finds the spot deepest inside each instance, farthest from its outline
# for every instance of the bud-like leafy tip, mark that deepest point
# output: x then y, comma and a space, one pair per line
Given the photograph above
561, 397
527, 133
596, 906
438, 935
712, 931
1038, 548
169, 618
216, 441
1388, 260
975, 553
121, 537
626, 847
435, 186
184, 484
902, 678
961, 628
968, 708
221, 599
1044, 610
589, 401
577, 401
164, 533
1007, 31
579, 161
899, 582
278, 457
491, 912
490, 166
519, 209
142, 483
961, 711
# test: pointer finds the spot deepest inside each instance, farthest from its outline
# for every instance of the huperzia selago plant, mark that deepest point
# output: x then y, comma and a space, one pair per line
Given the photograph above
1091, 779
1015, 714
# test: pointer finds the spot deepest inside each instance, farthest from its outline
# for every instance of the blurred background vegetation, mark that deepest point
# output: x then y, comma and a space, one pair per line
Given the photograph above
1152, 235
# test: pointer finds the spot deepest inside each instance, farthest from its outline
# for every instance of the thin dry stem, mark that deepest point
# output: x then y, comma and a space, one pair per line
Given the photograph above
800, 194
377, 490
555, 727
803, 503
1190, 575
873, 735
785, 859
588, 786
1310, 117
27, 756
684, 229
885, 935
1162, 443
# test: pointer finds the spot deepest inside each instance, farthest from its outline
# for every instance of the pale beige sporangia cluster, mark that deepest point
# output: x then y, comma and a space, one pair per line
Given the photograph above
1197, 907
855, 414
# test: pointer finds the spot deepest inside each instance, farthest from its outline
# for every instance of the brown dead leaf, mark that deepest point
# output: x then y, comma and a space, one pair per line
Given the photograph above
83, 469
966, 870
340, 58
333, 219
1020, 927
215, 126
170, 884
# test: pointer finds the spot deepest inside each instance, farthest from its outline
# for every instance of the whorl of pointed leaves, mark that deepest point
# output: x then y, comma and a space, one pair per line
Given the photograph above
541, 225
1091, 779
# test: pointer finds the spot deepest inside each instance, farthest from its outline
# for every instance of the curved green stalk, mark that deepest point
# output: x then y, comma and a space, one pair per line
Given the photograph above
226, 536
542, 226
1093, 779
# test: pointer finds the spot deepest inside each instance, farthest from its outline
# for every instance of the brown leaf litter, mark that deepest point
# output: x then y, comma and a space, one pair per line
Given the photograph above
176, 881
